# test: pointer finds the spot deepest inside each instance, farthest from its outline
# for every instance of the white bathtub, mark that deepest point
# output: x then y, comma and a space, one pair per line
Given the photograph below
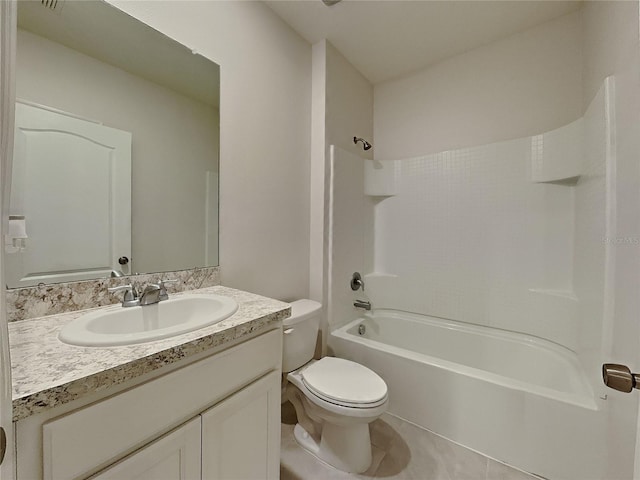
513, 397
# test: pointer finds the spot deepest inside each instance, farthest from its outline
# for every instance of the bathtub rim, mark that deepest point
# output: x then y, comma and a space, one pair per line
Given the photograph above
584, 399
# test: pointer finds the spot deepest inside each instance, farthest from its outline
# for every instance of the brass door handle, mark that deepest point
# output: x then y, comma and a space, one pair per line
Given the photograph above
619, 377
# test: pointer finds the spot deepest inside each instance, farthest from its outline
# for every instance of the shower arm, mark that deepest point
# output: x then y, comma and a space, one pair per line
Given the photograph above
365, 145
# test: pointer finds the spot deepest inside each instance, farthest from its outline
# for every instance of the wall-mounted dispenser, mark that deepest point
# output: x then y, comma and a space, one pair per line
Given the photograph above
16, 238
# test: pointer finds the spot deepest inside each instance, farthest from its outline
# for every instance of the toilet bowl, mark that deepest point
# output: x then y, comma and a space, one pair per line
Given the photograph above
335, 399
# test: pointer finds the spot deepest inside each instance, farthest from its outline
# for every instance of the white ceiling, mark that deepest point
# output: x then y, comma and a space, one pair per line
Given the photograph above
386, 39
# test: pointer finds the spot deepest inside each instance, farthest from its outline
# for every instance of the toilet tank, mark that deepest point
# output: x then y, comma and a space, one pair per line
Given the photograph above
300, 334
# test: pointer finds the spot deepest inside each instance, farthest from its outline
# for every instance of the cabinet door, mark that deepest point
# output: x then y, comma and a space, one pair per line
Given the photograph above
175, 456
241, 435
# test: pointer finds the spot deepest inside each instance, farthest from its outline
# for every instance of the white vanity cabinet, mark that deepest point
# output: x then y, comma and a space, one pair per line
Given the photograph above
241, 435
175, 456
216, 418
236, 439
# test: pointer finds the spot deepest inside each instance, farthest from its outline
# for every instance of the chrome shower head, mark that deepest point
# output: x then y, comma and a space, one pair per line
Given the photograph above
366, 145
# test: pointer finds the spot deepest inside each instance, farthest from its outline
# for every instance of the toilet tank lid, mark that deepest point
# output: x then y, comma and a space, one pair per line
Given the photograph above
302, 310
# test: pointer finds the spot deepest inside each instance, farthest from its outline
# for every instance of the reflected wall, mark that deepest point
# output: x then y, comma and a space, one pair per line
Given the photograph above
175, 143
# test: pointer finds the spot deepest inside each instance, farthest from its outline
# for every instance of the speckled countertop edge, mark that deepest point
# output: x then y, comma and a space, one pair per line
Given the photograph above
46, 372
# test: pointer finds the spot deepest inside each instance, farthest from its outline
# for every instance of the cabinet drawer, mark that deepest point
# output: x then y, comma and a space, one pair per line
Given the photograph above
91, 438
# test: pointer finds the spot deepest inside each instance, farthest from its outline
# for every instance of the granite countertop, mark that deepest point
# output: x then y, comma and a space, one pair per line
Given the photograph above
46, 372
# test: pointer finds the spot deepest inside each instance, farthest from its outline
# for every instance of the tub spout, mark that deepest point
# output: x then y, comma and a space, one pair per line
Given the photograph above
362, 304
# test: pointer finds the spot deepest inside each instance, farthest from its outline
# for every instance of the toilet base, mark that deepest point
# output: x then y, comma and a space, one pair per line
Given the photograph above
347, 448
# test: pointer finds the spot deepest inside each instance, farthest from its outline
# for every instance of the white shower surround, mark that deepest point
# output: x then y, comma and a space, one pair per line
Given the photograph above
542, 211
498, 235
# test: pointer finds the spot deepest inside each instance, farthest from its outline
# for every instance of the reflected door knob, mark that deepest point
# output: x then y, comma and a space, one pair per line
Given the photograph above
619, 377
3, 444
356, 282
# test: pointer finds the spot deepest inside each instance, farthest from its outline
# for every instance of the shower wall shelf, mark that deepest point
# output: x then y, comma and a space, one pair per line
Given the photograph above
557, 156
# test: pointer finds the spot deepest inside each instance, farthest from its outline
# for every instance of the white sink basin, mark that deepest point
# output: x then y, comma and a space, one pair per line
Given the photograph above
125, 326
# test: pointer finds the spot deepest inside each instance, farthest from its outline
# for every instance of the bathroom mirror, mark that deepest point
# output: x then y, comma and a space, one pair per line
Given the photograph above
115, 162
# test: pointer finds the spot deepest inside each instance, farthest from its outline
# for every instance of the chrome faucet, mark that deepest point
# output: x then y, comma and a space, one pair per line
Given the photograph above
150, 294
362, 304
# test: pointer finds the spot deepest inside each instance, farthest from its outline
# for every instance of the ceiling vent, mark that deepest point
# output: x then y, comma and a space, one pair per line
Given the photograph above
53, 5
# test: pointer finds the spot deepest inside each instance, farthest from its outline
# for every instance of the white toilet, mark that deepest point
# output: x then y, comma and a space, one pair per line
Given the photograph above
335, 399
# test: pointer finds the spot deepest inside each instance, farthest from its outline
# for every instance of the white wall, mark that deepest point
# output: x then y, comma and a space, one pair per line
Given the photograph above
8, 16
611, 47
175, 140
348, 112
342, 109
265, 113
523, 85
318, 173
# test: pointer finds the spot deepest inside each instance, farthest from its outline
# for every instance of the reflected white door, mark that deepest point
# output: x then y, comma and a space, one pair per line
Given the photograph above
8, 15
72, 182
6, 389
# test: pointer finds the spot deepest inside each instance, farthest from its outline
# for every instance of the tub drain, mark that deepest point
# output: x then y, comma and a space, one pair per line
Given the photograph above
361, 329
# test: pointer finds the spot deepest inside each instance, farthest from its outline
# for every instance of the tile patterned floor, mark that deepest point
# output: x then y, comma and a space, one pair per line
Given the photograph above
400, 451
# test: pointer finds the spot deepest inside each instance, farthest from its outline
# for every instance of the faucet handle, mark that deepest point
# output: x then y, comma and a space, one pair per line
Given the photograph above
163, 289
130, 294
128, 287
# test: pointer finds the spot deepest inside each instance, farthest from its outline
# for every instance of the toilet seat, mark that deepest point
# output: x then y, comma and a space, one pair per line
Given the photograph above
345, 383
